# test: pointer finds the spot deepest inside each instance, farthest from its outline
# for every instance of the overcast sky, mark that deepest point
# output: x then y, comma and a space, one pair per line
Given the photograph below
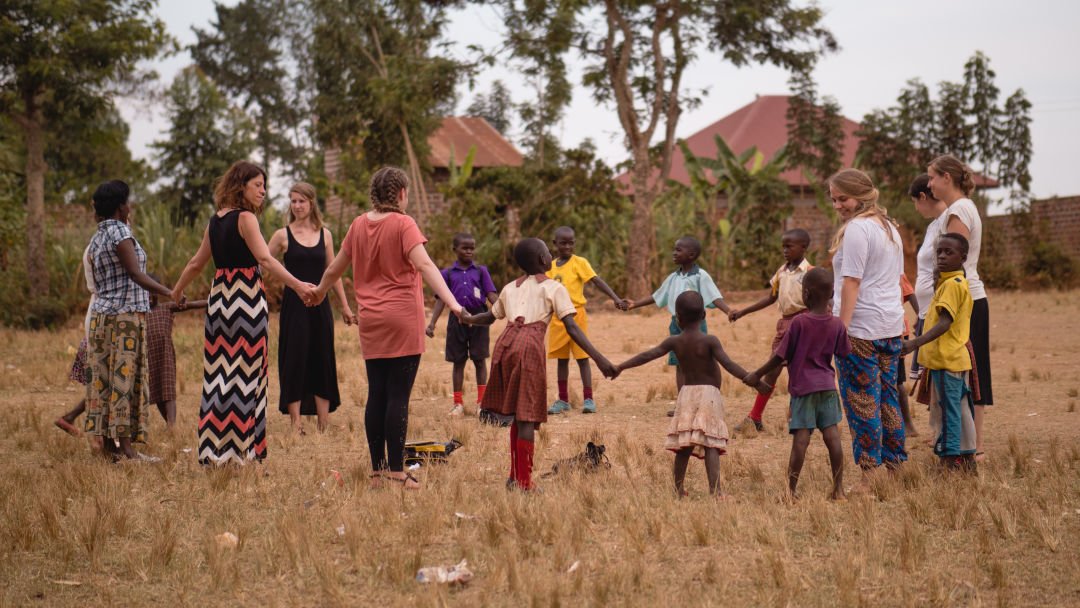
1032, 45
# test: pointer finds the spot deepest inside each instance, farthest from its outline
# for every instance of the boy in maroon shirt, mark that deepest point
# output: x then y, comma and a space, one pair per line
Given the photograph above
808, 348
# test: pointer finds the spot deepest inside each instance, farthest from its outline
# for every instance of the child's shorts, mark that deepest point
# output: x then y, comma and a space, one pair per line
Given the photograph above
675, 330
560, 346
464, 342
815, 411
782, 325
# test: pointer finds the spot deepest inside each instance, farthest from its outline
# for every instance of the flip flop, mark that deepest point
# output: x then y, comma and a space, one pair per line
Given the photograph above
404, 481
67, 427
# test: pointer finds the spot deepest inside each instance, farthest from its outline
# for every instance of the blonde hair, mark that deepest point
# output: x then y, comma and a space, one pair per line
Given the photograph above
307, 191
386, 187
229, 189
855, 184
962, 175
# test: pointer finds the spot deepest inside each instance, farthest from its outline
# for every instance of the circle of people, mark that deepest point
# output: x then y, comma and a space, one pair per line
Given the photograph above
852, 316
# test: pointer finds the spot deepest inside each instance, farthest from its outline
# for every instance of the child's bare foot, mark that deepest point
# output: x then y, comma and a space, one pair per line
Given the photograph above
980, 457
838, 495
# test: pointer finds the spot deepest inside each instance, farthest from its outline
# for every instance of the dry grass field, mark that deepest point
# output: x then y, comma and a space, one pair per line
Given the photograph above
77, 531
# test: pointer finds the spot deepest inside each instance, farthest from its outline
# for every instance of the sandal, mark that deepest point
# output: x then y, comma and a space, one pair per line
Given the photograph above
404, 481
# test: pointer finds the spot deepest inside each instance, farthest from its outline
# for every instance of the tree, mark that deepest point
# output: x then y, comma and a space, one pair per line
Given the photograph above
966, 121
245, 54
379, 84
495, 107
815, 133
62, 58
206, 135
540, 34
639, 52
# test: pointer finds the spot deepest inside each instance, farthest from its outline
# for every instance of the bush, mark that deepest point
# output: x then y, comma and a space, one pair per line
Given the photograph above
1047, 265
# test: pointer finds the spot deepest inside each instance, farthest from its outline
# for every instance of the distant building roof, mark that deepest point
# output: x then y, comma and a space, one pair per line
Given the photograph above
460, 133
762, 123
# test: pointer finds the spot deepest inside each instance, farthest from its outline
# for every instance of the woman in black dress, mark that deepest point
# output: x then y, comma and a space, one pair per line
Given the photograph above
307, 370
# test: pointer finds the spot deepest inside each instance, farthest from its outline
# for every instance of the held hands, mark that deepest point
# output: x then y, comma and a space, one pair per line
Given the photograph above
310, 294
430, 331
907, 347
610, 371
622, 304
734, 315
348, 316
755, 382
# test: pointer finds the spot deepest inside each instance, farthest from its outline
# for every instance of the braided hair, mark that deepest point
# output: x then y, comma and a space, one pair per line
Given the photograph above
386, 187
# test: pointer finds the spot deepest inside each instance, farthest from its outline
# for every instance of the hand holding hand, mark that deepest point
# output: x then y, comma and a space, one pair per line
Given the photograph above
457, 310
430, 331
907, 347
178, 296
610, 371
622, 304
628, 304
763, 388
751, 379
734, 316
309, 294
348, 316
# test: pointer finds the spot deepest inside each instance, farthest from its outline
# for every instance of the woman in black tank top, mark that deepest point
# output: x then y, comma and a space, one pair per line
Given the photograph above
307, 368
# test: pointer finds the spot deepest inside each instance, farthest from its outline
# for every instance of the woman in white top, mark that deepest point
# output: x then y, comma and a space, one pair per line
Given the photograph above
867, 262
933, 210
952, 182
80, 372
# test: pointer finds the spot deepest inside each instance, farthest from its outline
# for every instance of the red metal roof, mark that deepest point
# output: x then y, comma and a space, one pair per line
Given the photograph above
761, 123
459, 133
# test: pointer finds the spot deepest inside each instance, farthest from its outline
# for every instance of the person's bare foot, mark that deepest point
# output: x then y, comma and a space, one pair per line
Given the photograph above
980, 457
838, 495
911, 431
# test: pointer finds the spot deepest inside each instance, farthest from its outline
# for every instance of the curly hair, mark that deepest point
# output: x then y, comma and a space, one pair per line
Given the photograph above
858, 185
386, 187
962, 175
229, 190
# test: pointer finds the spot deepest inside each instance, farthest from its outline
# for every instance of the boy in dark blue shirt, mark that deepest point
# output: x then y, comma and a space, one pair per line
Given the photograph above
473, 288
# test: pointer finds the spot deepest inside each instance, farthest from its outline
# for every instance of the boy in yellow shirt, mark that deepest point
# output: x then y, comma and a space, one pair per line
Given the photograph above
943, 352
574, 272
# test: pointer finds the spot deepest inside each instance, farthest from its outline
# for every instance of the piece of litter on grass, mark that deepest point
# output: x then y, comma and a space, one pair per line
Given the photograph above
1036, 461
185, 450
227, 540
457, 574
63, 582
460, 515
414, 466
1033, 414
340, 530
573, 566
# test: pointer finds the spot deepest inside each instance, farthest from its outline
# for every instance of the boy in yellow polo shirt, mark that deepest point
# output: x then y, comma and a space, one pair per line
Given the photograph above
574, 272
943, 352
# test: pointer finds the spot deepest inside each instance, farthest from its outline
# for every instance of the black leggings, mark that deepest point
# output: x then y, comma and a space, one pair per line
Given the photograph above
386, 417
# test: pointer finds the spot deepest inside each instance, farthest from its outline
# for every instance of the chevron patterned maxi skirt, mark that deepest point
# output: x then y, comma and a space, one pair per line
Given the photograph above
232, 412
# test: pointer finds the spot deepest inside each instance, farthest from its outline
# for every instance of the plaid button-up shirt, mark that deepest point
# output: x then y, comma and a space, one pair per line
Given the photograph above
116, 291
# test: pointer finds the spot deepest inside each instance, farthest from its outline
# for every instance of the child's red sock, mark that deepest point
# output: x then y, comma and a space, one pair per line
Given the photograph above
564, 392
458, 398
586, 392
523, 464
513, 451
759, 406
480, 388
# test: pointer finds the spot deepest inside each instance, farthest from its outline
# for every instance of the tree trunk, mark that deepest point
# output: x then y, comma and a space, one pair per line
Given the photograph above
416, 175
37, 269
642, 232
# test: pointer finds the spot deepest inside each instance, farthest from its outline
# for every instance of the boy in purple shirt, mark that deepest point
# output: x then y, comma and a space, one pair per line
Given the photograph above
473, 288
808, 348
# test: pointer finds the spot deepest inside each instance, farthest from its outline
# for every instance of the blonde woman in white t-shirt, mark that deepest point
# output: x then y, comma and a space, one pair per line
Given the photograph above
953, 182
867, 261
